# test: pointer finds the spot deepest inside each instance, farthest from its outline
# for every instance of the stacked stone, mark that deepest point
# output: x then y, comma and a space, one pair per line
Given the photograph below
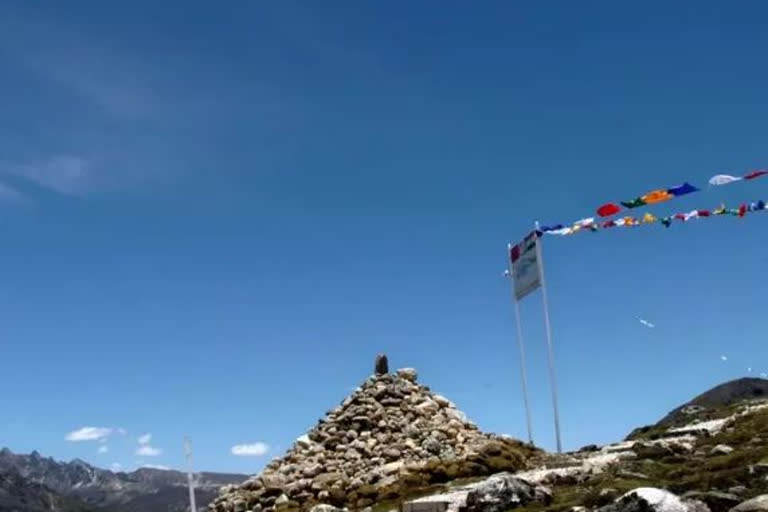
390, 438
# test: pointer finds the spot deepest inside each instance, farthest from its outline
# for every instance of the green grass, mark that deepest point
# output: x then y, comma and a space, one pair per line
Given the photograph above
680, 473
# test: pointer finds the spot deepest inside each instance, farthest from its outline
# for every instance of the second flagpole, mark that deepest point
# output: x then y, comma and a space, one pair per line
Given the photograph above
550, 350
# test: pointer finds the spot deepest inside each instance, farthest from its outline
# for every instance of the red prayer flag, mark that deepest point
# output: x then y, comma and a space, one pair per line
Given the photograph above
680, 216
608, 209
703, 213
514, 253
755, 174
742, 210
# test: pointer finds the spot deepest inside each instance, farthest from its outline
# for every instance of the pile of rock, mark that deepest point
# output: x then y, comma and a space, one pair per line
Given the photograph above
390, 438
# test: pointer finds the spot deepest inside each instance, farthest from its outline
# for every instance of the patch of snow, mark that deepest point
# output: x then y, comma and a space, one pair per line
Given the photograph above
711, 426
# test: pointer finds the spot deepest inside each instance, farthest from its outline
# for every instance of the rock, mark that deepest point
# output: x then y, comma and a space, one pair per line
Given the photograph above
392, 453
758, 504
432, 445
408, 374
273, 482
325, 508
304, 441
382, 365
427, 407
650, 499
631, 475
543, 495
716, 501
499, 494
738, 490
392, 467
721, 449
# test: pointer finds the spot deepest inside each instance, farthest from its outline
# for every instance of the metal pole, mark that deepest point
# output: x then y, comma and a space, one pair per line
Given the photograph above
523, 374
553, 381
190, 475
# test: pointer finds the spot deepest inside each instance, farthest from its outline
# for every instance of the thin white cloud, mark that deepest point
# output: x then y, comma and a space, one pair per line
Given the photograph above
65, 174
724, 358
91, 68
103, 449
145, 439
156, 466
122, 431
149, 451
764, 375
89, 434
647, 323
250, 450
115, 467
10, 194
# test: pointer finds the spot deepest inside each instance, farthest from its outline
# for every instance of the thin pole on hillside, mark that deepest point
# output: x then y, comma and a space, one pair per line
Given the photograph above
550, 350
523, 375
190, 474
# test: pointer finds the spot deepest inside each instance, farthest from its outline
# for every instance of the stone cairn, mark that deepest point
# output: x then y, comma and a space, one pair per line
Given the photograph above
388, 439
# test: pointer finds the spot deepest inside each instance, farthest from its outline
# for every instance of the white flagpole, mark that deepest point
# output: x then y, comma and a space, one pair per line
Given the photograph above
523, 374
553, 381
190, 475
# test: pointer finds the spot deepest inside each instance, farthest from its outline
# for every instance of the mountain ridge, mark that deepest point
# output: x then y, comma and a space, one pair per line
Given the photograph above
81, 486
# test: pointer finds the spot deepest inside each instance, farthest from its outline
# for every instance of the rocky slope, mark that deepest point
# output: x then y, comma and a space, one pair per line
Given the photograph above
36, 481
390, 438
709, 459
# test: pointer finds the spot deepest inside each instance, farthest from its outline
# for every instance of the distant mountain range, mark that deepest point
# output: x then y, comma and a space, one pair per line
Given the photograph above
33, 483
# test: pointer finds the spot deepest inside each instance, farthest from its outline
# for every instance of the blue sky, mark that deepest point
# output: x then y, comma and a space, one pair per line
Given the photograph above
213, 217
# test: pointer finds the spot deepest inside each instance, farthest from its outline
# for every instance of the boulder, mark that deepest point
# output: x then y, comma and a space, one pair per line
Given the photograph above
500, 493
716, 501
721, 449
408, 374
758, 504
650, 499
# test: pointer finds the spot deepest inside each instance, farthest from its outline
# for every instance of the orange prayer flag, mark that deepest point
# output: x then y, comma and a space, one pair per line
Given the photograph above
657, 196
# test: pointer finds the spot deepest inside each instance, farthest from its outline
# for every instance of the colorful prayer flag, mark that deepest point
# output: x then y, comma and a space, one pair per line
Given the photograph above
723, 179
634, 203
657, 196
608, 210
681, 190
755, 174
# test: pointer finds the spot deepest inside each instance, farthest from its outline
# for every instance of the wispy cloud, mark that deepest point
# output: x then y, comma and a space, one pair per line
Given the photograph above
148, 451
10, 194
723, 358
145, 439
89, 434
122, 431
646, 323
115, 467
65, 174
103, 449
250, 450
93, 69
